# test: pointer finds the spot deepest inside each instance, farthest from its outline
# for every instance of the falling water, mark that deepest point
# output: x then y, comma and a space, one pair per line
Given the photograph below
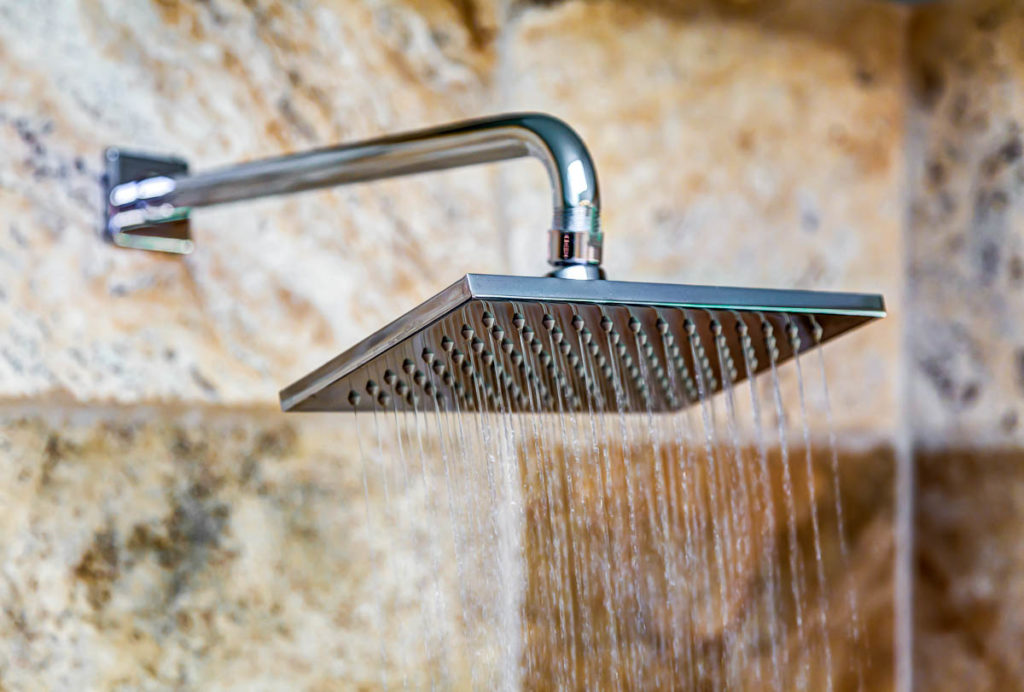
795, 564
648, 362
385, 401
763, 475
378, 607
601, 467
741, 503
844, 552
386, 527
794, 340
440, 614
572, 469
721, 535
569, 534
682, 464
617, 352
456, 517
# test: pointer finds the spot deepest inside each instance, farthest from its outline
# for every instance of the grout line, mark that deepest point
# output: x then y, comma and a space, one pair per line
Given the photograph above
903, 594
501, 88
63, 406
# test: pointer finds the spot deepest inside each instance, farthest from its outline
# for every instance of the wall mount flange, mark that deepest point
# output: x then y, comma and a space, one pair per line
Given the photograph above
161, 228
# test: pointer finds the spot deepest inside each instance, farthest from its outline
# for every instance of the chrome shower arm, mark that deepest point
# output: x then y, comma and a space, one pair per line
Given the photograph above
141, 209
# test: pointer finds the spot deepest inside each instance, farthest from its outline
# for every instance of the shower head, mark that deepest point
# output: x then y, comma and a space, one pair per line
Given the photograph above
569, 341
509, 343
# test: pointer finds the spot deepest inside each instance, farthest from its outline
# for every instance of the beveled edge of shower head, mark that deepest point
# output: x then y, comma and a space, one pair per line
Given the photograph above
501, 288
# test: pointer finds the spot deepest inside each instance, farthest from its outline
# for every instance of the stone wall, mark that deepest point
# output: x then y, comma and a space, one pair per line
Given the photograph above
166, 525
964, 326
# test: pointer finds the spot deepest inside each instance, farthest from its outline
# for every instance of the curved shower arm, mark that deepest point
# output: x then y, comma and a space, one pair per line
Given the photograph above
146, 195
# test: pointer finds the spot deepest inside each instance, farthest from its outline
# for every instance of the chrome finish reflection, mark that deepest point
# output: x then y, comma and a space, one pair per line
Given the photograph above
137, 205
511, 300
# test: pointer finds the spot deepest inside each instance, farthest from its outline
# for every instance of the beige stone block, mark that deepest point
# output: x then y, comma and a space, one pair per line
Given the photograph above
231, 551
969, 592
751, 144
966, 268
274, 288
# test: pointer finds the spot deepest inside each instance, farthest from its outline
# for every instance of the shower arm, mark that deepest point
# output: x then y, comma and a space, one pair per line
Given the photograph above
149, 198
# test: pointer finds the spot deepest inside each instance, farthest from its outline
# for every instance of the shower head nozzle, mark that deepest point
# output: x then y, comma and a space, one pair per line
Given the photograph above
508, 343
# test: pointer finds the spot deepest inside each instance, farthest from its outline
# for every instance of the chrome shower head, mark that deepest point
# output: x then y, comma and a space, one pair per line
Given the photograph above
572, 340
509, 343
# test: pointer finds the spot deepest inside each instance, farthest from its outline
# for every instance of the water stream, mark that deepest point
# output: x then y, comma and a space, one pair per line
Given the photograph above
602, 543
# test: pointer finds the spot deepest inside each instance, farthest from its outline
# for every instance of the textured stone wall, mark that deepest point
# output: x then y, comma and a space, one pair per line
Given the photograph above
165, 526
146, 550
964, 326
276, 288
966, 253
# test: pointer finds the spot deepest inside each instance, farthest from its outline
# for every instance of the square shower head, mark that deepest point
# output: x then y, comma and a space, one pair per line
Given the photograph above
511, 343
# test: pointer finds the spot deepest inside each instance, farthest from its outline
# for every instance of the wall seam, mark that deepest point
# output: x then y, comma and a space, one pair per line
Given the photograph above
903, 592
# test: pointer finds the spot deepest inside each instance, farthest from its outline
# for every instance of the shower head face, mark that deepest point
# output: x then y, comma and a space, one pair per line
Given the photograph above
525, 344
